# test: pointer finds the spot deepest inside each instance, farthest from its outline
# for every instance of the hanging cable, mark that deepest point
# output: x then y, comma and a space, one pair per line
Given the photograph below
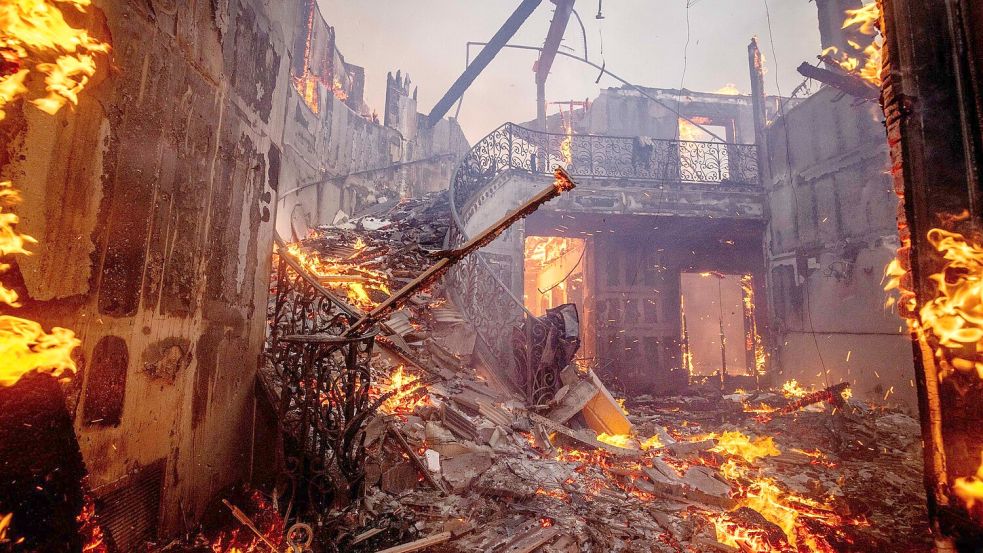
795, 197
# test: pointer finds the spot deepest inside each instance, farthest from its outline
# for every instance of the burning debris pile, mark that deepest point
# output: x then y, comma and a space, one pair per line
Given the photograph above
449, 460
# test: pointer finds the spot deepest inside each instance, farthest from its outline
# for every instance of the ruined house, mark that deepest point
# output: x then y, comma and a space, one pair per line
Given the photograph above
243, 310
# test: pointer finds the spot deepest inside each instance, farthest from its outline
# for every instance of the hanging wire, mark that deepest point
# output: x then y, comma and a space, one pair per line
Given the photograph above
795, 197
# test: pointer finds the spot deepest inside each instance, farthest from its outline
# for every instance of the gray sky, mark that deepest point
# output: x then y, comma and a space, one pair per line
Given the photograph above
643, 42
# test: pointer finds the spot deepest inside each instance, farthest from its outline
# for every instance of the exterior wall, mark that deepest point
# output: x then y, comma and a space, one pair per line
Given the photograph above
345, 161
832, 232
154, 203
625, 112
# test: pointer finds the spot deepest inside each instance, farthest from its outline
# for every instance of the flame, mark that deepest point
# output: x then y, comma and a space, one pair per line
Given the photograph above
690, 132
867, 21
730, 89
5, 525
955, 314
338, 90
652, 443
617, 440
792, 388
90, 529
343, 275
739, 445
406, 393
35, 33
752, 340
970, 488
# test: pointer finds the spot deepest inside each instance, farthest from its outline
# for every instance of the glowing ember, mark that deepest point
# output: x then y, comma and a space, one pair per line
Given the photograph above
344, 275
4, 526
89, 528
739, 445
407, 393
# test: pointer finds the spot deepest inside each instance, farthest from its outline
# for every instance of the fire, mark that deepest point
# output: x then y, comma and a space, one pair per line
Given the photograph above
406, 393
867, 21
344, 275
752, 340
730, 89
566, 146
970, 488
690, 132
792, 388
617, 440
36, 36
90, 529
955, 314
739, 445
652, 443
338, 90
24, 345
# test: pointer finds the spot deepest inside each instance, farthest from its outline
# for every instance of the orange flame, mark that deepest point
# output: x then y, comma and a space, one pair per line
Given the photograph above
24, 345
867, 20
407, 393
36, 32
344, 275
739, 445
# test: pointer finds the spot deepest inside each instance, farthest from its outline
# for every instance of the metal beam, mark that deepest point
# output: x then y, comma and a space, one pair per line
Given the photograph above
561, 16
482, 60
557, 27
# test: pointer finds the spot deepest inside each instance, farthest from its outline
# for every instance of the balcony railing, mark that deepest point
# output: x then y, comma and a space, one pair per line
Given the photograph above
476, 287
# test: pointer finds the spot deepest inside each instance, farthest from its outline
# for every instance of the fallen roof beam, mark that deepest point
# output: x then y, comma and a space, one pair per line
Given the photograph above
482, 60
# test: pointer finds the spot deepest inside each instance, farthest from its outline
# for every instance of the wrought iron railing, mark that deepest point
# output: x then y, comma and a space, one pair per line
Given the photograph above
474, 285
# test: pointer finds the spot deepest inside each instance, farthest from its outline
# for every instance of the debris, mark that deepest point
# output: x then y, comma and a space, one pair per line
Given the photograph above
419, 544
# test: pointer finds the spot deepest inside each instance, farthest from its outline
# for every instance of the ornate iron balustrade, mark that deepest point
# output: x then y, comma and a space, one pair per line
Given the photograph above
651, 161
476, 288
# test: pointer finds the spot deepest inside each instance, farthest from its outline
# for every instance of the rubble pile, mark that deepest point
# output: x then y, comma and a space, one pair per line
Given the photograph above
702, 475
454, 462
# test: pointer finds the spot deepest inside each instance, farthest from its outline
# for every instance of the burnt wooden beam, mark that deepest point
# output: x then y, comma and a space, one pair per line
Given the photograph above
484, 57
561, 183
931, 96
850, 84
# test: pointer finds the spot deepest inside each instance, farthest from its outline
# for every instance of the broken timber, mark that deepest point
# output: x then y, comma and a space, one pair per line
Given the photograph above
833, 394
582, 438
419, 544
851, 84
561, 183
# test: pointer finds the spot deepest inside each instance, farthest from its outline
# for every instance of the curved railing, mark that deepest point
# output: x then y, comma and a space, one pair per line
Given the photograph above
475, 286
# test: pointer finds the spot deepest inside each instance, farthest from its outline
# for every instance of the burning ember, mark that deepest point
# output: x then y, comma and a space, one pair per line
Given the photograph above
24, 345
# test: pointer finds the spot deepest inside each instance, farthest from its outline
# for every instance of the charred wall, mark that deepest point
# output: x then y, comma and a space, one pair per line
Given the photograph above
832, 232
154, 203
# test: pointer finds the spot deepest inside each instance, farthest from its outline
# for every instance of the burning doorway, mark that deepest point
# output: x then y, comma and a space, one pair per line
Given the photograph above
554, 272
718, 327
